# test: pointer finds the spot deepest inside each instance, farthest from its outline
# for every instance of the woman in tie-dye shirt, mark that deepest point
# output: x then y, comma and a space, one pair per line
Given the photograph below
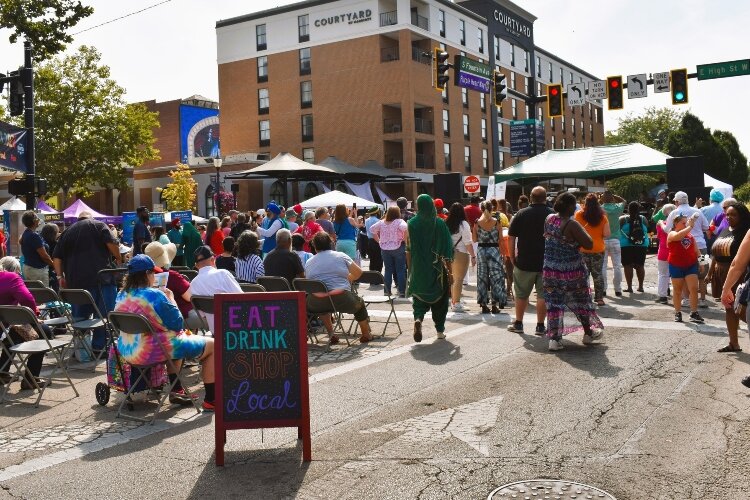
139, 296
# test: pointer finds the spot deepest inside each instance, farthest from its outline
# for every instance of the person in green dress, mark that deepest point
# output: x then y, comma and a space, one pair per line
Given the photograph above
429, 246
191, 239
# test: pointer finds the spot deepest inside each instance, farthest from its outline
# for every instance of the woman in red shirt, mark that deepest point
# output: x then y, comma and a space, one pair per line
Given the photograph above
683, 266
308, 228
215, 236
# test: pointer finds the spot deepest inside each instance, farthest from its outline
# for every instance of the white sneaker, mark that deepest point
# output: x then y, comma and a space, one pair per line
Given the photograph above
685, 302
595, 335
702, 303
555, 345
440, 335
458, 308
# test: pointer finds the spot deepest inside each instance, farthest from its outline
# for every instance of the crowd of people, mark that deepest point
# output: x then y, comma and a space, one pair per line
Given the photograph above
560, 248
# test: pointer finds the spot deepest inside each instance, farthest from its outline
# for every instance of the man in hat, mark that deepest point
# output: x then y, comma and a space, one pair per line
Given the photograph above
272, 223
291, 219
402, 204
439, 208
175, 236
373, 247
141, 232
211, 280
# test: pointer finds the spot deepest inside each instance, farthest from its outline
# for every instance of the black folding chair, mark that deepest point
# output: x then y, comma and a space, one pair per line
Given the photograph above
19, 353
190, 274
83, 326
252, 287
34, 284
204, 304
137, 324
49, 303
376, 278
274, 283
316, 286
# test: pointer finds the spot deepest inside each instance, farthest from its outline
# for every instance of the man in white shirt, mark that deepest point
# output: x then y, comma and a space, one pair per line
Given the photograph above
700, 227
211, 280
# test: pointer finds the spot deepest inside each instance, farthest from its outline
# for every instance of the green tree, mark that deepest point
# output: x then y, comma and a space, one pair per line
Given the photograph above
742, 193
181, 193
42, 22
693, 139
85, 132
737, 161
652, 129
631, 186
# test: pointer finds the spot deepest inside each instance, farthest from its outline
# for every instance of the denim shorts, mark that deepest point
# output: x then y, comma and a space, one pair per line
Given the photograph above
681, 272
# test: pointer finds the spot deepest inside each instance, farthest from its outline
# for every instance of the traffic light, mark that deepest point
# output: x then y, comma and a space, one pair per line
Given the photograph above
441, 69
16, 95
679, 86
500, 88
614, 92
554, 100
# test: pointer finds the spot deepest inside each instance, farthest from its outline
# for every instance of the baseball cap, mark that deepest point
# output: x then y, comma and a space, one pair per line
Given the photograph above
202, 253
681, 196
291, 213
140, 263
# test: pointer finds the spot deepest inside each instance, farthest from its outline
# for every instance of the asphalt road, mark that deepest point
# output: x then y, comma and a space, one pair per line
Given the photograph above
651, 411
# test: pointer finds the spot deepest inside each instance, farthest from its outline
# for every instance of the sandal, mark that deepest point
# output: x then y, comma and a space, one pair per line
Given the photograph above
729, 348
365, 339
600, 303
334, 340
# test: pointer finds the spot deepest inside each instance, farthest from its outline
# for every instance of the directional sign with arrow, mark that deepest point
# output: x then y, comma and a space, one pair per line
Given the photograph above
661, 82
637, 86
577, 94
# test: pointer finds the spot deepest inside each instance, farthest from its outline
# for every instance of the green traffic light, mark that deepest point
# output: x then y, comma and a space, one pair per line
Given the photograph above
679, 96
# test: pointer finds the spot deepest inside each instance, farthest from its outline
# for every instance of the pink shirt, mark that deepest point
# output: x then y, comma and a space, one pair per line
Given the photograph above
663, 253
391, 233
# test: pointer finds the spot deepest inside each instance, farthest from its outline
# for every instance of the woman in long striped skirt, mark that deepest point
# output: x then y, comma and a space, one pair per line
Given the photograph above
487, 233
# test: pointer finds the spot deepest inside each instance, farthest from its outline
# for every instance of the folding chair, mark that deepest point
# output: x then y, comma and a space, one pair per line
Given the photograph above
82, 326
204, 304
316, 286
180, 268
252, 287
34, 284
376, 278
138, 324
190, 274
42, 297
19, 353
274, 283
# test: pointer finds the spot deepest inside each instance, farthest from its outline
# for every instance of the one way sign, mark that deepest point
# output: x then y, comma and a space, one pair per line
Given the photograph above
637, 86
577, 94
661, 82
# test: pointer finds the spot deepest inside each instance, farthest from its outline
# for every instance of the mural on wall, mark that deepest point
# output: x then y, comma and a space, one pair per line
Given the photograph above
199, 134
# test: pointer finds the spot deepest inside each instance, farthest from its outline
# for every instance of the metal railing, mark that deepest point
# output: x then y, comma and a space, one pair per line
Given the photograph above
391, 126
423, 126
424, 161
388, 54
421, 56
388, 18
420, 21
393, 161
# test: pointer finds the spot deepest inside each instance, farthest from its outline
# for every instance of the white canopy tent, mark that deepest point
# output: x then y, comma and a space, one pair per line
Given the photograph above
726, 189
333, 198
16, 203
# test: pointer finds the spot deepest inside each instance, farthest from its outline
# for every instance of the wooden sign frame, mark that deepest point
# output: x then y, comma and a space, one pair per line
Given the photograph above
303, 423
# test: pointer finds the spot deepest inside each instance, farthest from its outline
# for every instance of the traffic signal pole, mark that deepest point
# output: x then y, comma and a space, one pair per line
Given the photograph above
27, 77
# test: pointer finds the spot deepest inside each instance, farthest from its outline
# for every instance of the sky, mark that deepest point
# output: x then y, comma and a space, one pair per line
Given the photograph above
169, 51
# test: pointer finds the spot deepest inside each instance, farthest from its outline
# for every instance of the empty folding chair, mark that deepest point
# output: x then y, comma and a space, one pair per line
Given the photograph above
204, 304
83, 326
376, 278
19, 353
316, 286
138, 324
252, 287
274, 283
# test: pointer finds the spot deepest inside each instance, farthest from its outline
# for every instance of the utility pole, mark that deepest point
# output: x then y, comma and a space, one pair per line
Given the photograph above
27, 78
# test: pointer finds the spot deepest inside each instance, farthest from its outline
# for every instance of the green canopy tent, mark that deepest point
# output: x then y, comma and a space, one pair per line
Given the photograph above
587, 163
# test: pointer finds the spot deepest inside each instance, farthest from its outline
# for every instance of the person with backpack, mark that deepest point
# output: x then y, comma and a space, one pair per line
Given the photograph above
634, 242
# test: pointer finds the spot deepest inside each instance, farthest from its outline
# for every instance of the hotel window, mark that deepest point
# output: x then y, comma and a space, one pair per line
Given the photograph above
308, 155
583, 130
500, 159
447, 155
484, 130
539, 114
500, 134
526, 60
552, 124
444, 93
304, 61
526, 84
462, 28
467, 158
485, 161
512, 54
512, 80
562, 143
260, 37
265, 132
497, 48
307, 128
553, 142
549, 68
514, 109
262, 69
562, 76
591, 131
538, 88
263, 101
570, 77
480, 40
466, 126
574, 143
446, 123
538, 67
303, 28
483, 101
465, 97
562, 124
305, 90
441, 22
573, 126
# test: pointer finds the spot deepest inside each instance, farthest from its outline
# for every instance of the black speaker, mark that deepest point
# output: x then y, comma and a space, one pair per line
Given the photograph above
685, 172
448, 187
697, 192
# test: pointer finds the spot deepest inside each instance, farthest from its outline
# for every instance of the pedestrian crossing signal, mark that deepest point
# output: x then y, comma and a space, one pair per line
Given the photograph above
679, 86
554, 100
614, 92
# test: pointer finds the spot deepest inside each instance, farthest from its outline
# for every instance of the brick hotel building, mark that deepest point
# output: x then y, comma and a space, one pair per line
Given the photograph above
350, 78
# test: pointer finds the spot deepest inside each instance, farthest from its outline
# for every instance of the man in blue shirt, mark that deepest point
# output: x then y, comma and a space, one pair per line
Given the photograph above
373, 247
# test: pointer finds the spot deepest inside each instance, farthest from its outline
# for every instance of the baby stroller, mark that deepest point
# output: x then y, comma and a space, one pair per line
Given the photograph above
121, 377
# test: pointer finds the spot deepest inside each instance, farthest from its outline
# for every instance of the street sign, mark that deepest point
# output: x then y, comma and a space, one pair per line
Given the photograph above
577, 94
471, 184
472, 74
637, 86
524, 134
661, 82
597, 89
724, 69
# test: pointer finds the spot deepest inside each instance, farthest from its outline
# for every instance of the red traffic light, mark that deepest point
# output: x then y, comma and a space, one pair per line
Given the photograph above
614, 83
553, 91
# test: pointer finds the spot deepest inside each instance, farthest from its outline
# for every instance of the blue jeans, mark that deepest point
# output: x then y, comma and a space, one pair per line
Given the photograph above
105, 302
395, 264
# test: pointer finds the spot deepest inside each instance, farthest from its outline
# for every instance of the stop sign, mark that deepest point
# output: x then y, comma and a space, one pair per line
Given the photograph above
471, 184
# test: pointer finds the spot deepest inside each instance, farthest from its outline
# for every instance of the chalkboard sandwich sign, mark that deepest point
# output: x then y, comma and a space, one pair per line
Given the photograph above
261, 365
